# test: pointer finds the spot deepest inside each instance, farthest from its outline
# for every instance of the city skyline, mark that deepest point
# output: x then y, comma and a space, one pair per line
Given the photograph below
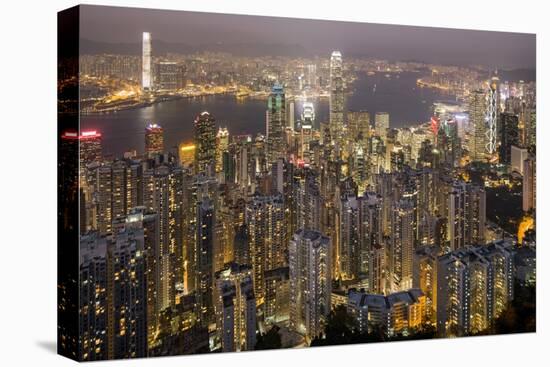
310, 220
196, 31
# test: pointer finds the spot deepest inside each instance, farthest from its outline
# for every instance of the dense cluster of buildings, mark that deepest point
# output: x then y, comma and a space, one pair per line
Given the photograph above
205, 249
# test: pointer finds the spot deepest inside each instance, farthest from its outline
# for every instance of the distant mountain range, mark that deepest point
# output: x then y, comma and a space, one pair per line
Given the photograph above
160, 48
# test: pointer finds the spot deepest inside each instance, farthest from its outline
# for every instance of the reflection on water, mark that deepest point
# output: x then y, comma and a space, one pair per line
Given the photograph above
124, 130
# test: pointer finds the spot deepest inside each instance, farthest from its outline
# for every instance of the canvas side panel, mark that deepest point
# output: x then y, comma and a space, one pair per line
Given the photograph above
67, 183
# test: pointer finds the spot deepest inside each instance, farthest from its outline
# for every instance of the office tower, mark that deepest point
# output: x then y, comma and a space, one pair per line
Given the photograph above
276, 124
448, 142
466, 215
266, 235
478, 123
401, 245
358, 125
204, 249
425, 278
146, 60
381, 124
205, 142
349, 244
493, 107
291, 115
396, 313
277, 295
154, 139
474, 286
336, 102
186, 154
310, 282
529, 194
90, 147
306, 130
169, 76
235, 308
222, 145
508, 136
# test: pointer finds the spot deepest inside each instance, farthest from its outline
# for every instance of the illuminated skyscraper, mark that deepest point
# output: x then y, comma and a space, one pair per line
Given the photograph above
358, 125
291, 114
186, 154
154, 139
474, 286
222, 144
493, 107
113, 295
266, 234
306, 129
277, 296
140, 219
425, 278
169, 76
235, 308
349, 246
205, 142
478, 123
93, 298
381, 124
276, 124
336, 108
310, 282
163, 194
147, 60
466, 215
204, 258
401, 245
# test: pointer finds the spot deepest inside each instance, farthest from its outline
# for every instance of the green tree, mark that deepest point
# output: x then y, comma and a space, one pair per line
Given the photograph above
269, 340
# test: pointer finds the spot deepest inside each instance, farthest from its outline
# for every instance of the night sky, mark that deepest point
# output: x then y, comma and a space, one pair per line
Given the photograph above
313, 37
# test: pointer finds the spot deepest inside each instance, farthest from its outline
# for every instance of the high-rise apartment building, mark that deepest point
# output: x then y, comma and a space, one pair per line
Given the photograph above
474, 286
466, 215
235, 305
266, 235
310, 282
399, 312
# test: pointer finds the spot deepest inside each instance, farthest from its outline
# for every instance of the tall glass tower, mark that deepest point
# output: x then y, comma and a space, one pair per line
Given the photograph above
146, 80
336, 118
493, 101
